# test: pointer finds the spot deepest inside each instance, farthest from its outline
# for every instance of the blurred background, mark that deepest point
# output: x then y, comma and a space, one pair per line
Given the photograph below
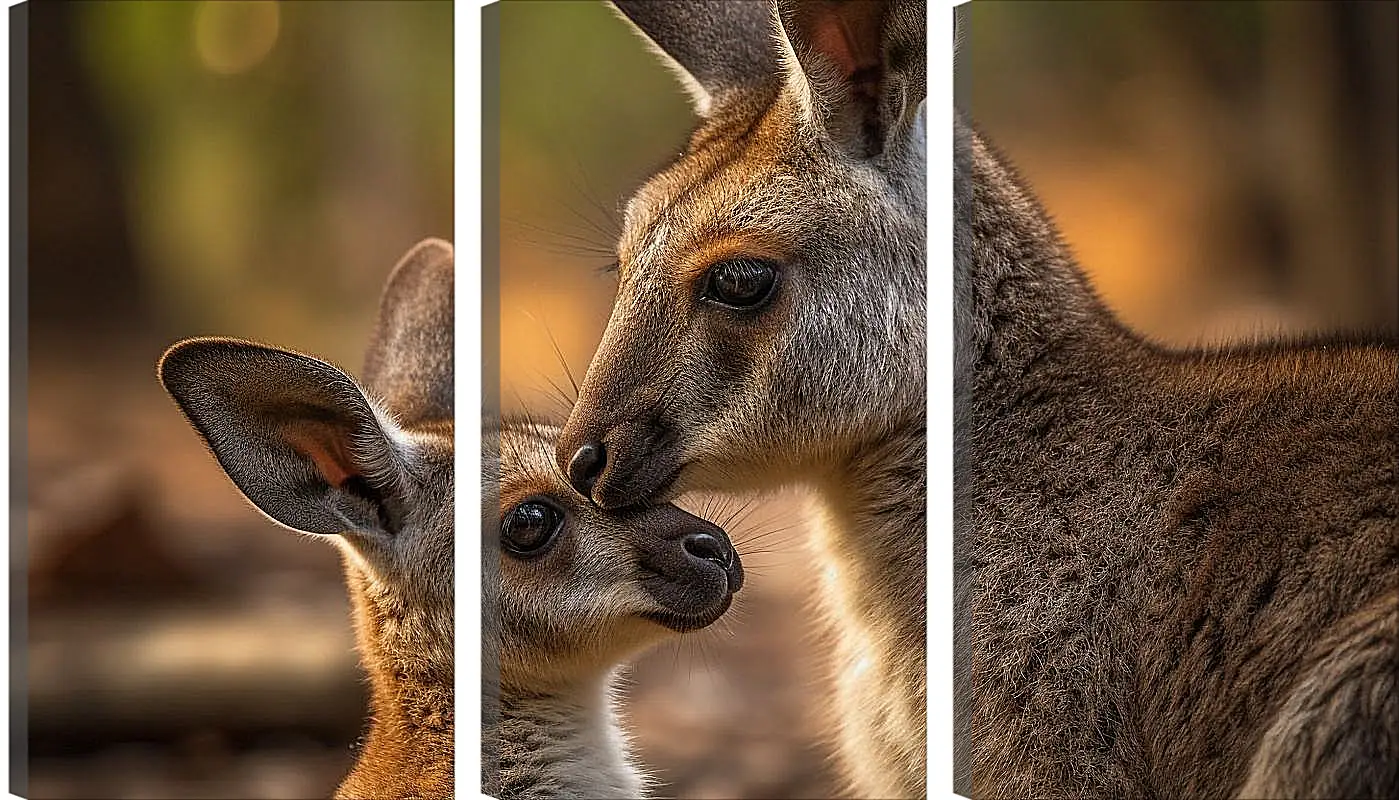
250, 169
1224, 170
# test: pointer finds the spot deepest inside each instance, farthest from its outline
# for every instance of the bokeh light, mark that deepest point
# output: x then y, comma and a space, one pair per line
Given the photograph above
233, 36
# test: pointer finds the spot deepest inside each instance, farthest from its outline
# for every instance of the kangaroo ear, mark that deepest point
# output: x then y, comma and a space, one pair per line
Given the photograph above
409, 361
296, 435
857, 68
714, 47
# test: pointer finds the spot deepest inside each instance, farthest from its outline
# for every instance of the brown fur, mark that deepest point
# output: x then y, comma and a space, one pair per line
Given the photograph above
370, 469
1178, 572
559, 623
405, 643
811, 159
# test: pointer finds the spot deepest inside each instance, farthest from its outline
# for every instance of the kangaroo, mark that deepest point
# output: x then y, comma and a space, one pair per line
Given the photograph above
570, 592
1177, 570
367, 466
769, 326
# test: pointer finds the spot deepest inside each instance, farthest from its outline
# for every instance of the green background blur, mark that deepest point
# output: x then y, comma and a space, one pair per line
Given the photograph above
239, 169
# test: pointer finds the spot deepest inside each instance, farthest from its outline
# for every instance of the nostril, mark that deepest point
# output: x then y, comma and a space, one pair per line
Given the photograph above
585, 467
709, 548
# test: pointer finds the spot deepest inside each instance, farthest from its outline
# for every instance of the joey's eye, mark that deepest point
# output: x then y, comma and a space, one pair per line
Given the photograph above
741, 282
530, 527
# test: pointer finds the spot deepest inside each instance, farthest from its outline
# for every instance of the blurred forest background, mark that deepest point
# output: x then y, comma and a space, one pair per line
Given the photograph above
250, 169
1224, 170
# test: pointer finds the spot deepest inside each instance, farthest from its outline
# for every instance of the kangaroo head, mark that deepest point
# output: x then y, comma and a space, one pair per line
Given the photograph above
771, 282
575, 589
366, 466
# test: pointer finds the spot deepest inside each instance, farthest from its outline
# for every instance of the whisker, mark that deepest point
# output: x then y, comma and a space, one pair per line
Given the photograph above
765, 534
584, 187
563, 362
561, 242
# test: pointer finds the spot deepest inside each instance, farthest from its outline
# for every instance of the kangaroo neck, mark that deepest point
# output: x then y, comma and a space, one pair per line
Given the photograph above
1020, 299
561, 742
408, 749
872, 518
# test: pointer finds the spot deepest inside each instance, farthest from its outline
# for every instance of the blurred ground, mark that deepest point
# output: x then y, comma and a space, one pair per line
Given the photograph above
181, 646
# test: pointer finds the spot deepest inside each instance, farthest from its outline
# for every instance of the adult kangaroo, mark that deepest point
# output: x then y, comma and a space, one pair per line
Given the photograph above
769, 325
1178, 571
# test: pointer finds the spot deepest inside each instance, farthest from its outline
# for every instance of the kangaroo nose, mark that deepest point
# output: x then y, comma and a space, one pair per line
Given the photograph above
707, 547
585, 467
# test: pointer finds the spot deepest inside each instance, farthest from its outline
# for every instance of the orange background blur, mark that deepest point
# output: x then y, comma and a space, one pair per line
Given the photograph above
1224, 170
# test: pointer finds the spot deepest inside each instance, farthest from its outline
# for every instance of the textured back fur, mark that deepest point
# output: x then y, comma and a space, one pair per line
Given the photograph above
811, 159
1178, 572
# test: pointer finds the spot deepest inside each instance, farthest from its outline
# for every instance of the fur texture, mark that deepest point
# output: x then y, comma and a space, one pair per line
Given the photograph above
814, 164
1178, 572
371, 469
558, 623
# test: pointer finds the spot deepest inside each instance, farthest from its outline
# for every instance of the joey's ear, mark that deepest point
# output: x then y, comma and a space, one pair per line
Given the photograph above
857, 68
714, 46
409, 361
296, 435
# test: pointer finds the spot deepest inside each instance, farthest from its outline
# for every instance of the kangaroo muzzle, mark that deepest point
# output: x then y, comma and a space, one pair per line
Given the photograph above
692, 570
631, 464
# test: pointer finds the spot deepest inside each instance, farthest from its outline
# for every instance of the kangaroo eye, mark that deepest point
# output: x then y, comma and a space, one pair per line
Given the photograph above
529, 528
741, 282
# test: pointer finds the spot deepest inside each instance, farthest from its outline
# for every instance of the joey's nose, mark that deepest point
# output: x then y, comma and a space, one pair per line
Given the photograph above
707, 547
715, 549
585, 467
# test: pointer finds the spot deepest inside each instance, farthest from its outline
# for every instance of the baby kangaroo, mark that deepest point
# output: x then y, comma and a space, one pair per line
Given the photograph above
1178, 572
570, 592
769, 325
369, 467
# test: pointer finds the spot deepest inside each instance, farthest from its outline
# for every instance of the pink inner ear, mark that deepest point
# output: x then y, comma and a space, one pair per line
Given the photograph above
326, 450
847, 34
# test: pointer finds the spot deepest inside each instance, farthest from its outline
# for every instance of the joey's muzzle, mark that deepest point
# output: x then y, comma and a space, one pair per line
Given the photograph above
689, 567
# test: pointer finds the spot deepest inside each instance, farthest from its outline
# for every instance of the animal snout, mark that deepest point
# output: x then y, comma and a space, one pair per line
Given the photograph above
631, 464
585, 466
707, 547
704, 547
